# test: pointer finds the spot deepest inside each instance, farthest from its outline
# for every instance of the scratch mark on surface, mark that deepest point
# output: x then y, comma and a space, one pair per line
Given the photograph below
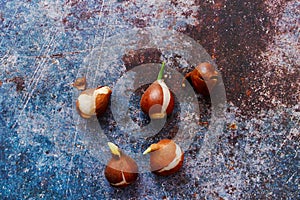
289, 180
36, 77
102, 43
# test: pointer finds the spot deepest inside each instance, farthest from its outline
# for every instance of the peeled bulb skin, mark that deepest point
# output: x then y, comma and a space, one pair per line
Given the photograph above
121, 170
166, 157
203, 78
153, 102
93, 101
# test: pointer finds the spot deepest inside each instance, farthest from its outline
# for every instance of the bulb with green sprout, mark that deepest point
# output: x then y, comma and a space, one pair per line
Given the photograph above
158, 101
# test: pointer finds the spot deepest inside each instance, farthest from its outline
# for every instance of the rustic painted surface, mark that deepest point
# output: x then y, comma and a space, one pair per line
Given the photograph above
46, 45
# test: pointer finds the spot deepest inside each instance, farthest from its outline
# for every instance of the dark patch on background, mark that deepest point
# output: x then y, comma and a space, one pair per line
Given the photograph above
234, 34
133, 58
20, 83
80, 13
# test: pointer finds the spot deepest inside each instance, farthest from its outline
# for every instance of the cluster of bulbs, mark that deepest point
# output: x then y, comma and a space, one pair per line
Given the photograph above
166, 157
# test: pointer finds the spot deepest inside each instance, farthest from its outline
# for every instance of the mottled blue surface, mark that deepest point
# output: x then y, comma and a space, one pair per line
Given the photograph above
43, 154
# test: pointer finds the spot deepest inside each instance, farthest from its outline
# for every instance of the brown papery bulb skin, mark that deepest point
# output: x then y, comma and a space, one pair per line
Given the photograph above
80, 83
203, 78
102, 101
171, 171
153, 97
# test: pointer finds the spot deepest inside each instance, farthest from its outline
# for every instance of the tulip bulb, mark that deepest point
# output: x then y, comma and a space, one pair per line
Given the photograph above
203, 78
157, 101
166, 157
121, 170
93, 101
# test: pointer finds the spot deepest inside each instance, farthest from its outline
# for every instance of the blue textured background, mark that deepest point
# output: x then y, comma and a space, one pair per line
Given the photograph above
42, 48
